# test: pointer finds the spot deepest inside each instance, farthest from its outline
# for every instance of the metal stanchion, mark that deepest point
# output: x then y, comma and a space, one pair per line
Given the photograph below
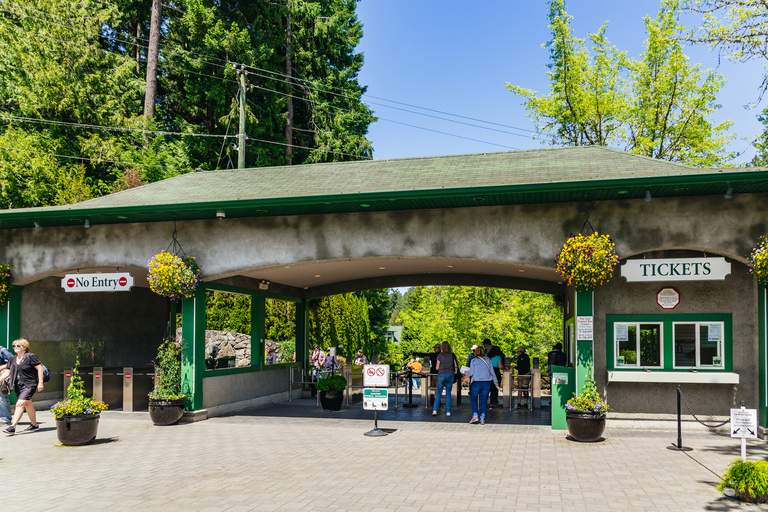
679, 446
409, 376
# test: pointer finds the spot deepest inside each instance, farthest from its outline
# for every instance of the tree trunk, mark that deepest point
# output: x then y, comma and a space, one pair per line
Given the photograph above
137, 51
288, 67
154, 47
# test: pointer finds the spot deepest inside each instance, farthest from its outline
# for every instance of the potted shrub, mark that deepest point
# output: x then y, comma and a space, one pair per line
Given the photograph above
585, 414
586, 261
331, 391
173, 276
748, 478
166, 401
77, 416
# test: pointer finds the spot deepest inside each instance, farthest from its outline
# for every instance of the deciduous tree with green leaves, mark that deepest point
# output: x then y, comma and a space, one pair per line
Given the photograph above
657, 106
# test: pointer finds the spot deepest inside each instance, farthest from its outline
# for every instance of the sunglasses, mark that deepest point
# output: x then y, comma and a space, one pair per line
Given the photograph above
17, 346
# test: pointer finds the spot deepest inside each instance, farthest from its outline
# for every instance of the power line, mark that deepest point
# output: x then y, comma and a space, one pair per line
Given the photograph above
99, 160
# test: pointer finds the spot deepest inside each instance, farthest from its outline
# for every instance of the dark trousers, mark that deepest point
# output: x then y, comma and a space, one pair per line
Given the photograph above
494, 389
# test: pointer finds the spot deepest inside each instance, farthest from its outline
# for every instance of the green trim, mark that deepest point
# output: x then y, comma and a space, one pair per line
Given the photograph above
762, 319
268, 367
585, 359
302, 321
10, 328
193, 347
561, 393
667, 320
277, 296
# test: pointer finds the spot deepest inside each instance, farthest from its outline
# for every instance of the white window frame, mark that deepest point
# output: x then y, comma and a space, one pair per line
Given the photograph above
697, 331
637, 345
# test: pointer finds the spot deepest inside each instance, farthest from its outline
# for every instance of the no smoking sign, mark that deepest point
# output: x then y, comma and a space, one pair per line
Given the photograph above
376, 375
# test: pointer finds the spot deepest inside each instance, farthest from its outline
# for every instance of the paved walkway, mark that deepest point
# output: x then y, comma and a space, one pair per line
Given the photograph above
294, 457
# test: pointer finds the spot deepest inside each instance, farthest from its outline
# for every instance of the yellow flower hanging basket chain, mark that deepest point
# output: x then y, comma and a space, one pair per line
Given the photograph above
587, 261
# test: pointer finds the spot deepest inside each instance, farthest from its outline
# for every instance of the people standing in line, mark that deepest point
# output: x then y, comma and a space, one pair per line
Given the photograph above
523, 366
360, 359
471, 355
415, 366
271, 356
496, 356
432, 357
318, 361
481, 377
556, 357
27, 373
446, 367
5, 404
331, 364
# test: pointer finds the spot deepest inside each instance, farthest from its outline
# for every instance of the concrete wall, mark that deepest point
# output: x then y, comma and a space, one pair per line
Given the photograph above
526, 234
224, 394
736, 295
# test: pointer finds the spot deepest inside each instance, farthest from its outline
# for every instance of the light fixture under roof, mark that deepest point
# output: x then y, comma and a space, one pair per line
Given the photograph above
38, 226
450, 266
317, 275
382, 268
729, 192
87, 222
648, 195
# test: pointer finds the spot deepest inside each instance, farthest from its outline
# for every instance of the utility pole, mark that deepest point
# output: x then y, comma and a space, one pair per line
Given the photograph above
288, 75
241, 136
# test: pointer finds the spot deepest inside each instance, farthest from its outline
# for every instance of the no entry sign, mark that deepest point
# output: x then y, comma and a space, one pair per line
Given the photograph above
112, 282
376, 375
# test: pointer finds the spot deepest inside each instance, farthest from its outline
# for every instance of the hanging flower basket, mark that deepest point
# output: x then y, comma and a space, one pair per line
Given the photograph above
173, 276
5, 283
586, 261
758, 261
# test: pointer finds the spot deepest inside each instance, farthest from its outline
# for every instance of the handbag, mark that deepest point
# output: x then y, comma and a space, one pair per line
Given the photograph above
5, 386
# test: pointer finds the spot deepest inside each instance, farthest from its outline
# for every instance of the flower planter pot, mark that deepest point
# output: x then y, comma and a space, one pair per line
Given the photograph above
744, 496
166, 412
586, 427
77, 430
331, 400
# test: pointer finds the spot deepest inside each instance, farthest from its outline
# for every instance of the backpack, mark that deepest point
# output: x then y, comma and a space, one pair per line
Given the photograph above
46, 373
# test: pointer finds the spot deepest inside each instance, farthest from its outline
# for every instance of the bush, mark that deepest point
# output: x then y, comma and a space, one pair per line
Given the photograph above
748, 478
332, 383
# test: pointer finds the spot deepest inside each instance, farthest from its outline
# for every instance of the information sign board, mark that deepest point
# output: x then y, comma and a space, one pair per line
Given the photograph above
376, 375
584, 328
375, 399
744, 423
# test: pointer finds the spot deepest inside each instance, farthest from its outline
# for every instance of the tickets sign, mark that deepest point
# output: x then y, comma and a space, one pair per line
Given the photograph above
112, 282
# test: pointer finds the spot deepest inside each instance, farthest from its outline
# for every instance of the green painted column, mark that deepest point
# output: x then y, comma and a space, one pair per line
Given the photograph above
762, 330
11, 313
302, 322
585, 306
193, 348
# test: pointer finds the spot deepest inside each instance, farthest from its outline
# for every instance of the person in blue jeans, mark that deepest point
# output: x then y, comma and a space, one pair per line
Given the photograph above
5, 405
447, 367
481, 375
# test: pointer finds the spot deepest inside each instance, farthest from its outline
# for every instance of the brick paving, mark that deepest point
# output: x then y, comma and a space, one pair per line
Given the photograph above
295, 457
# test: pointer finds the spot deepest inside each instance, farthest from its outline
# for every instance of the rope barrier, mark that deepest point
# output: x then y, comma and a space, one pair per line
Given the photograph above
694, 416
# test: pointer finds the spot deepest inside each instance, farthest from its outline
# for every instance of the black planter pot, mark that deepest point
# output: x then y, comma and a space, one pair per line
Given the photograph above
331, 400
586, 427
166, 412
77, 430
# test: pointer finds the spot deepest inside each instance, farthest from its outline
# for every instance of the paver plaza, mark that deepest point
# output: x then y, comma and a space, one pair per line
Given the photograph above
296, 457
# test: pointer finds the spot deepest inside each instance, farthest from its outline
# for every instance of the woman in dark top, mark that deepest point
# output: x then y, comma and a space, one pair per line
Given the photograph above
446, 368
26, 372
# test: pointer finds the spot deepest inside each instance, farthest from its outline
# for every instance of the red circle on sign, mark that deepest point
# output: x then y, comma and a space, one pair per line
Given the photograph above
370, 371
379, 371
123, 281
70, 282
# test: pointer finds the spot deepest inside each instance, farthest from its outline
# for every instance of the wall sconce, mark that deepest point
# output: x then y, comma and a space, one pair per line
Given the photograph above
220, 214
729, 192
87, 222
263, 284
648, 195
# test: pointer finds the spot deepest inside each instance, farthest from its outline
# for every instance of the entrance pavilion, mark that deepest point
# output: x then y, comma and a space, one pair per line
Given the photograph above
493, 219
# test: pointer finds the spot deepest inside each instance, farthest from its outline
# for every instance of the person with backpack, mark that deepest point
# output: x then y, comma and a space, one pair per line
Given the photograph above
26, 371
5, 404
481, 376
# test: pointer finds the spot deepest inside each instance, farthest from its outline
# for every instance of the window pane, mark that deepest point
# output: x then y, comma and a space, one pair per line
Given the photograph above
710, 338
227, 330
650, 345
280, 329
685, 345
626, 343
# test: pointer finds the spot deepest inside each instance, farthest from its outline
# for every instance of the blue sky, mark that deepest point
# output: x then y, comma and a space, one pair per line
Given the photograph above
455, 56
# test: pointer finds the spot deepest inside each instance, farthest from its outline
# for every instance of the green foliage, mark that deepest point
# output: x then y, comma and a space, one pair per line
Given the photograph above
657, 106
287, 350
588, 400
332, 383
341, 321
630, 356
76, 402
748, 478
280, 320
168, 372
464, 315
227, 312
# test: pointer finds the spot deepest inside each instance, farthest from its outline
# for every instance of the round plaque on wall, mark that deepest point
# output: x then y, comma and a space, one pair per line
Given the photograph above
668, 298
